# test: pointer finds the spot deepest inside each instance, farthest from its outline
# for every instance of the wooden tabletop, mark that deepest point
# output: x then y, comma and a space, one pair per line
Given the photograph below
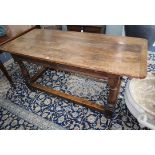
14, 31
98, 52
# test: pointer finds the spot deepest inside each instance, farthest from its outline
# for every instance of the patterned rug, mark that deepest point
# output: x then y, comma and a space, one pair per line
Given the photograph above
67, 114
9, 121
15, 117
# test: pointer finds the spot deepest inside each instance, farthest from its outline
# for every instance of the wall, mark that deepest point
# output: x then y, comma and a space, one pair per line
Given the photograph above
117, 30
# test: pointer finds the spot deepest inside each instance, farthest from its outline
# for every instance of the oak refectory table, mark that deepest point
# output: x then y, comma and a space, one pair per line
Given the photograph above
95, 55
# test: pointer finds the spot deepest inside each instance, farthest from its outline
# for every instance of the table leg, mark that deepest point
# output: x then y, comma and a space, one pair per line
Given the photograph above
114, 87
24, 71
6, 73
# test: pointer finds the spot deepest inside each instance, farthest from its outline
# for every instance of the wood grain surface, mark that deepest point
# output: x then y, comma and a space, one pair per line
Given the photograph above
14, 31
95, 52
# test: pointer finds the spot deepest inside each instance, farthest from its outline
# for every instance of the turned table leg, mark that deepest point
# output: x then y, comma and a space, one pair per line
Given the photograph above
114, 87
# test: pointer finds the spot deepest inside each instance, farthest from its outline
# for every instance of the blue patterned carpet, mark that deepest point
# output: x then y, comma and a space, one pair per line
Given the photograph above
65, 113
9, 121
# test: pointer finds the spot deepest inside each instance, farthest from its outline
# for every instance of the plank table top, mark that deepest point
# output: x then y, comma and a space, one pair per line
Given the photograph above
124, 56
14, 31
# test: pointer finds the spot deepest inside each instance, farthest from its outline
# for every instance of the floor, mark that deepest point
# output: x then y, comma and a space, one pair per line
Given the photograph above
59, 111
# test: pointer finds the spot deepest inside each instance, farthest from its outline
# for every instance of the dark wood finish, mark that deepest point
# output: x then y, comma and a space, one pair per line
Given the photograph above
114, 86
74, 99
93, 29
87, 28
24, 71
95, 55
38, 74
74, 28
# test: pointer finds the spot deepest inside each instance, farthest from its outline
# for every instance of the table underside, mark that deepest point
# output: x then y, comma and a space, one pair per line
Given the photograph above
113, 82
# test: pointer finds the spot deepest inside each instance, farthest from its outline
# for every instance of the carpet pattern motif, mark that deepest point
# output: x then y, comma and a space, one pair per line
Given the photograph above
64, 113
33, 119
9, 121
